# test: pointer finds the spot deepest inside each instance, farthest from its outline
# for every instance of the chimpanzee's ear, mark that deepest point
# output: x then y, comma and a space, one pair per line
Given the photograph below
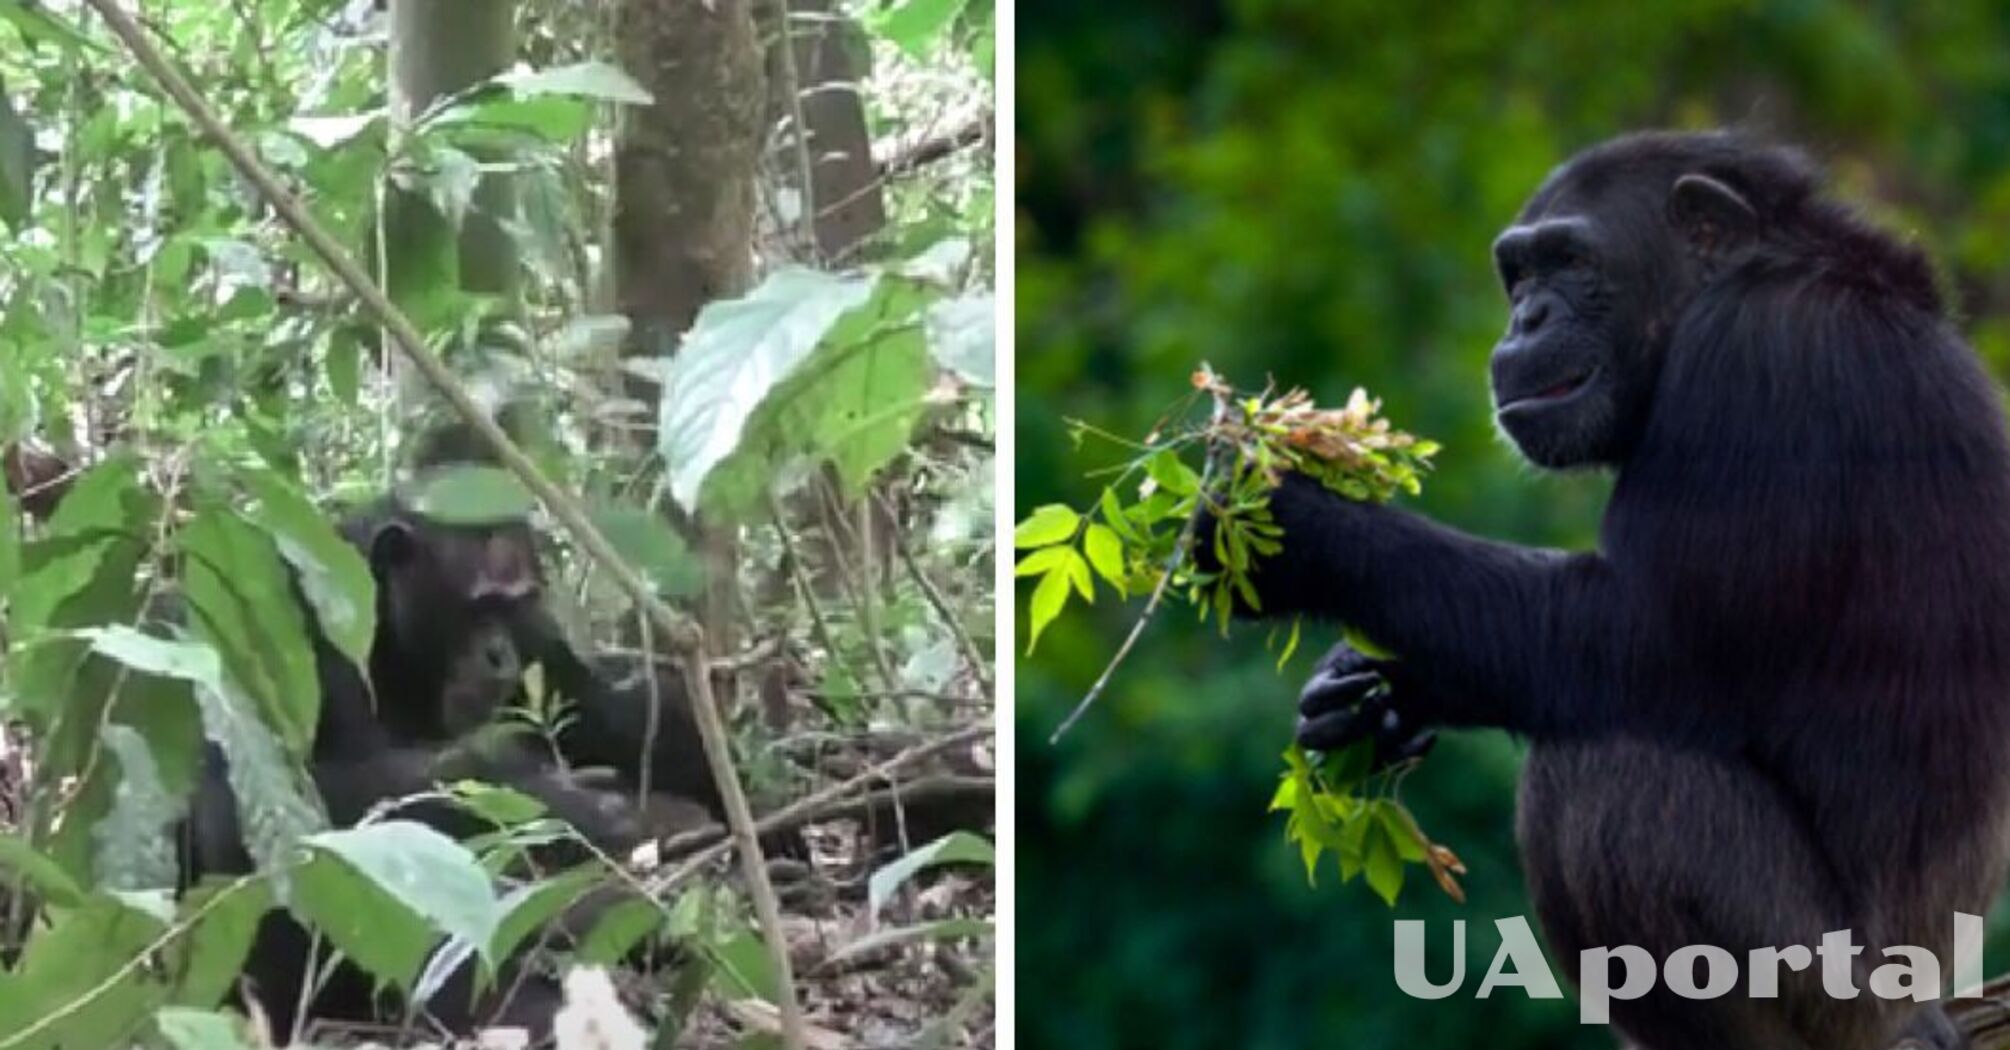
392, 544
1711, 216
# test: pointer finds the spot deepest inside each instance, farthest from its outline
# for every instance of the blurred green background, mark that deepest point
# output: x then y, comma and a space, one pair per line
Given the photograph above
1307, 190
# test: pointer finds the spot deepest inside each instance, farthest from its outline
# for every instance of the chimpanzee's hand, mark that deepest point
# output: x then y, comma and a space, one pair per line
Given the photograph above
1353, 697
1317, 522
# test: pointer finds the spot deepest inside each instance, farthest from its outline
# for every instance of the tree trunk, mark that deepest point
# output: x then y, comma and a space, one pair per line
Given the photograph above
831, 59
684, 202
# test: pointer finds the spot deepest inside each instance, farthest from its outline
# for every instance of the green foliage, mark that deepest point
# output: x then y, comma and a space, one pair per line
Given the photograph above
1247, 444
808, 366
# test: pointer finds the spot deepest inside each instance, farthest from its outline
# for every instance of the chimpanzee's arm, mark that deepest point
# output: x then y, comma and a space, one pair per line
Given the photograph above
610, 727
1489, 634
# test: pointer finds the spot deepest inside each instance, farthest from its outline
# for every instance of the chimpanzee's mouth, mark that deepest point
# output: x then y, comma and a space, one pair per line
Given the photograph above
1555, 393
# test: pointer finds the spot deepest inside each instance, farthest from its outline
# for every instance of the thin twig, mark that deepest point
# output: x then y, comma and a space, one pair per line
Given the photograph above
686, 637
971, 654
1181, 549
801, 578
795, 812
800, 129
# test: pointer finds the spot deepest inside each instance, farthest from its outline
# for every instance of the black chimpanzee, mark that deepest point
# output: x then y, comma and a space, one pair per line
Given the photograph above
1775, 702
459, 617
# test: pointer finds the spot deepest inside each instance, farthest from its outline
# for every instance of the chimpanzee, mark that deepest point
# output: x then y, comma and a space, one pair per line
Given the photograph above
458, 620
1775, 701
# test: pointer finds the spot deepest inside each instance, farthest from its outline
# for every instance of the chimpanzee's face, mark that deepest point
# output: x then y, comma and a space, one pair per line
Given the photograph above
449, 600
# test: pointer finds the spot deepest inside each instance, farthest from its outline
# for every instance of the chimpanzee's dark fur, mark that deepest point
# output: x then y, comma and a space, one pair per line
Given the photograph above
1776, 700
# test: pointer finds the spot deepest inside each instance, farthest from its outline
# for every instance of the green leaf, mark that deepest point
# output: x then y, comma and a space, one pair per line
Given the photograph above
420, 870
915, 26
1078, 574
963, 336
500, 120
1047, 525
332, 572
1172, 475
243, 604
528, 907
472, 495
1106, 554
1114, 516
1049, 598
959, 847
82, 956
645, 540
1383, 864
206, 961
1402, 829
44, 876
618, 930
1042, 560
736, 354
594, 80
135, 844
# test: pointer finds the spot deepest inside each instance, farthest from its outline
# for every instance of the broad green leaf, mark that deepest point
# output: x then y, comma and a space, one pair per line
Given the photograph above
242, 603
194, 662
41, 874
958, 847
1049, 598
618, 931
595, 80
435, 876
963, 336
332, 573
472, 495
135, 841
646, 541
530, 906
205, 962
273, 812
1050, 524
83, 952
1106, 554
736, 354
745, 968
503, 119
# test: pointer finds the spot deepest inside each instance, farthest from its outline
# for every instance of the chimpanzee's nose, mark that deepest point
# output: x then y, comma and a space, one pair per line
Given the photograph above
1530, 315
500, 657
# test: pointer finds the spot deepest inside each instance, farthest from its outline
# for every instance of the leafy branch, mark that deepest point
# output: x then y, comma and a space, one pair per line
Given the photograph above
1145, 544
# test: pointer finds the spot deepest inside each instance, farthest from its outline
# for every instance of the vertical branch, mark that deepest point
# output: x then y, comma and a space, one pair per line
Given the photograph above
971, 654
